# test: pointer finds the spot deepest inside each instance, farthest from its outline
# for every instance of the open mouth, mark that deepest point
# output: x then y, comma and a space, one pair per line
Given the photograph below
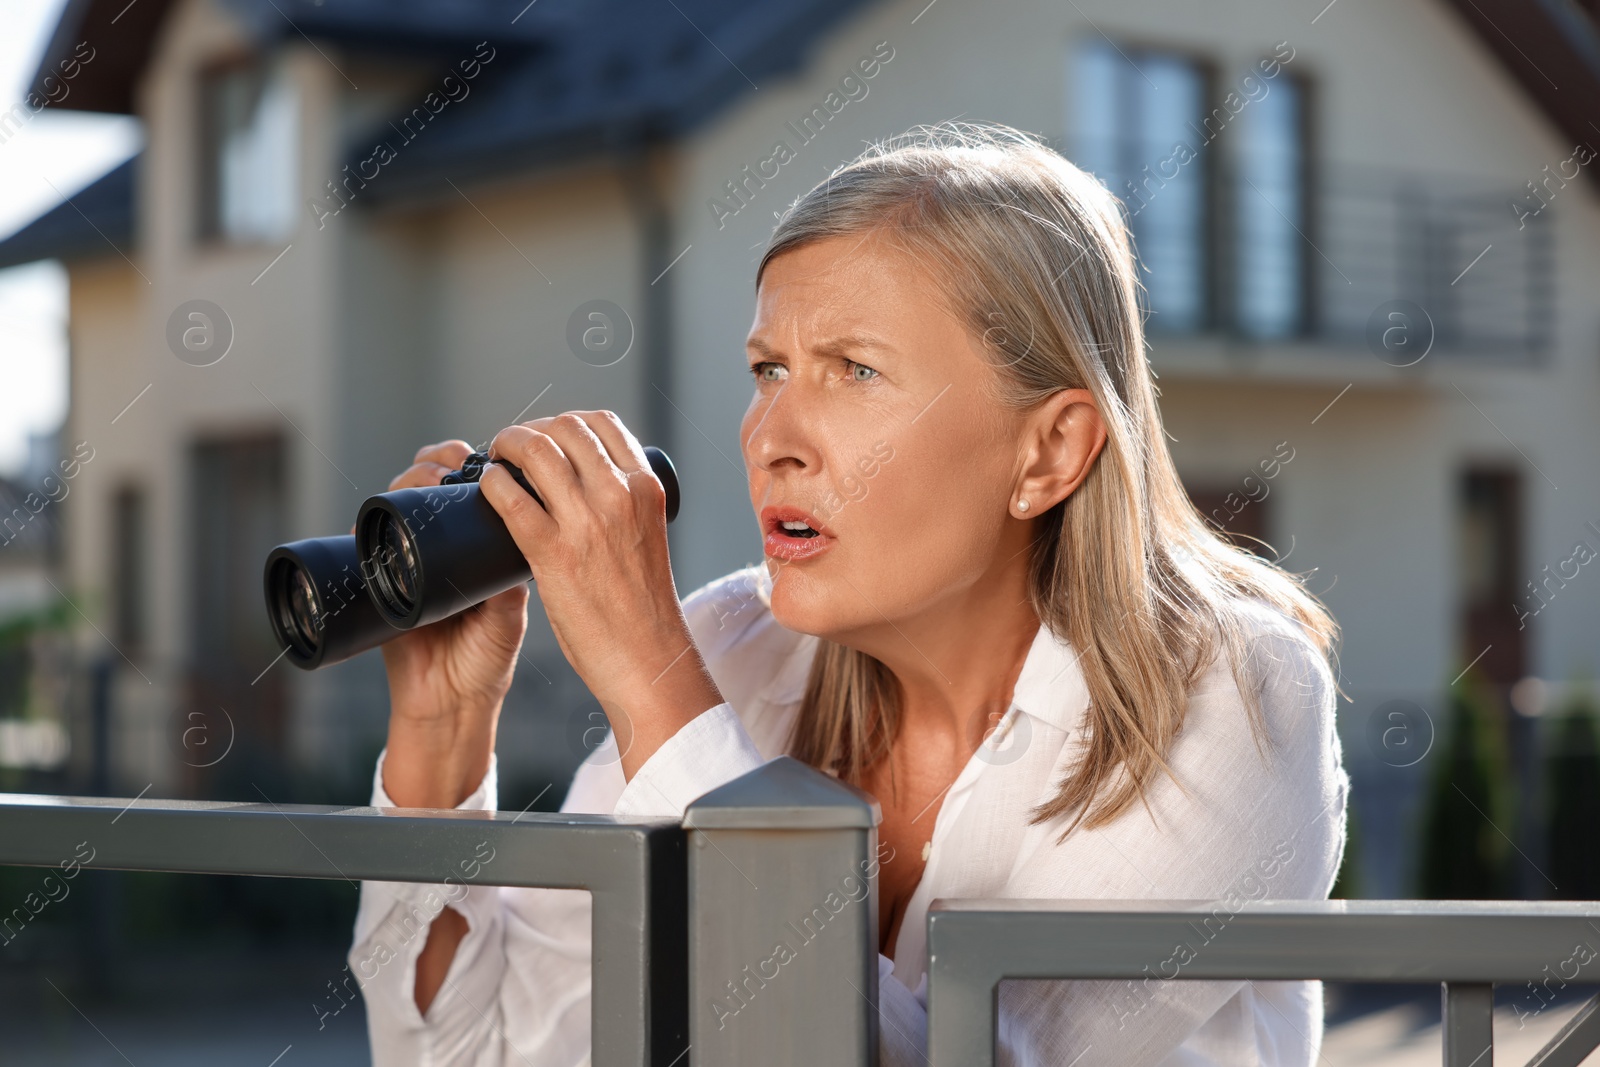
794, 535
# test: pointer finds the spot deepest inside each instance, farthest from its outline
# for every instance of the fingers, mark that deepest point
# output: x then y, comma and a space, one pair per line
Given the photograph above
419, 475
611, 462
583, 464
623, 448
449, 453
543, 464
431, 463
599, 475
531, 526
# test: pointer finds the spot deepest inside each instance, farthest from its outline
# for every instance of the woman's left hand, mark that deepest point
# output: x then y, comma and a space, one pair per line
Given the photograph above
598, 551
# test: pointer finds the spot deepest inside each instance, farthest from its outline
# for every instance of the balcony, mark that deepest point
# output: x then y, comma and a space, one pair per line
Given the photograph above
1386, 277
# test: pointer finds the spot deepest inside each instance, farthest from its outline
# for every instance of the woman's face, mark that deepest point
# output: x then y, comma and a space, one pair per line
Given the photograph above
881, 462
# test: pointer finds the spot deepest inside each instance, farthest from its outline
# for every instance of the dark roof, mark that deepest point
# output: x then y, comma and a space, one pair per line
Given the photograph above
621, 74
119, 38
567, 78
576, 77
1552, 48
96, 220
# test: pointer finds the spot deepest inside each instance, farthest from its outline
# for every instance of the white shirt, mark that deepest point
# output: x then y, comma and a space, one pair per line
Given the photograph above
1242, 822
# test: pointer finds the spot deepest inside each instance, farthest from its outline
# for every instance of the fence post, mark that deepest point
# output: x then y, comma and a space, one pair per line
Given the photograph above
1468, 1020
783, 921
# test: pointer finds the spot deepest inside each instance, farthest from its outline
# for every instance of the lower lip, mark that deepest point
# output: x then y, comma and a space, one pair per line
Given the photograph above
780, 545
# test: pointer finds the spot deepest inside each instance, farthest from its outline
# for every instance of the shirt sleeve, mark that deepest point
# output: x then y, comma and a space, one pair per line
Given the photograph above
519, 981
521, 976
710, 750
902, 1020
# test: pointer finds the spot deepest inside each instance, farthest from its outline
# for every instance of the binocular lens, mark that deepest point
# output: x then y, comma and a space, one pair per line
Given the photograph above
297, 604
318, 604
394, 566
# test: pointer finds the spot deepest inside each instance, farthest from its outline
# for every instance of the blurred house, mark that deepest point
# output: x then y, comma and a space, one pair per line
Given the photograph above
1369, 235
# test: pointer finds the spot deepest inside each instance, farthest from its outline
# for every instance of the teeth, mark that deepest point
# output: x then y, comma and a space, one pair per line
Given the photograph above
795, 526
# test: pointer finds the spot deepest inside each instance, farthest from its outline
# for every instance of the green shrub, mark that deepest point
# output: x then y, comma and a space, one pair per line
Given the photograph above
1464, 855
1572, 805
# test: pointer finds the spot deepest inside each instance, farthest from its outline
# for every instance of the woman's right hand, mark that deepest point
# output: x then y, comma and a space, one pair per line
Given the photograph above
447, 680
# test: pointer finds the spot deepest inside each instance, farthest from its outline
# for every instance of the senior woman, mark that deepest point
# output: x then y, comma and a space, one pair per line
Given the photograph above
973, 531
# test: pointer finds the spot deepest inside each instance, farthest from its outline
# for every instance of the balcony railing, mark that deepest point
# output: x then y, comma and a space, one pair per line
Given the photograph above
1469, 264
1482, 271
686, 915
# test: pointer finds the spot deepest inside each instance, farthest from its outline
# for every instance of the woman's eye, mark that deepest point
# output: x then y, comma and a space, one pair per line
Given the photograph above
767, 372
860, 372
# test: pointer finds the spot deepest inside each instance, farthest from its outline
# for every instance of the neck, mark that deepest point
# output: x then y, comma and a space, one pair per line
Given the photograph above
957, 661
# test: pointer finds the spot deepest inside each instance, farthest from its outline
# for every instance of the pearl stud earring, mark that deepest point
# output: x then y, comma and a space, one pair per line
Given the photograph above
1022, 505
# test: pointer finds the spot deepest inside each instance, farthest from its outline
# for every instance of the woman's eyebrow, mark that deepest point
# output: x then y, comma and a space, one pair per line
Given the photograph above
838, 346
833, 346
760, 347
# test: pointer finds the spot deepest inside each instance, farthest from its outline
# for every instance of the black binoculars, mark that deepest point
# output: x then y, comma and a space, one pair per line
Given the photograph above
417, 556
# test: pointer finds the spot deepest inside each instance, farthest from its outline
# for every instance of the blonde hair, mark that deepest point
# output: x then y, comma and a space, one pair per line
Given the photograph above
1034, 256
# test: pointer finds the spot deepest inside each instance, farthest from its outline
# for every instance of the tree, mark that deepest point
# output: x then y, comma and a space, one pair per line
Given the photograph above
1464, 853
1572, 777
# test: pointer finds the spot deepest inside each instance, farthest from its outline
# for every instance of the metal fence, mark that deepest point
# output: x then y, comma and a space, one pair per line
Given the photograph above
1483, 272
1466, 946
1469, 263
688, 918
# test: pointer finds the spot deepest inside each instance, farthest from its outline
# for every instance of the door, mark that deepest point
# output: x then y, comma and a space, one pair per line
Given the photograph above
235, 728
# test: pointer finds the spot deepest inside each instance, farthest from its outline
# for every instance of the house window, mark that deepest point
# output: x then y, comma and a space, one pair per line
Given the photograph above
248, 148
1138, 111
1271, 268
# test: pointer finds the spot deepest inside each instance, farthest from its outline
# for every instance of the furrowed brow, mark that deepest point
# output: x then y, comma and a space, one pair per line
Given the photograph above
833, 346
838, 346
760, 348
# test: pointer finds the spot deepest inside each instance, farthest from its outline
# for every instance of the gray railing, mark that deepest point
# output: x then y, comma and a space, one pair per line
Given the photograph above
1466, 946
635, 872
749, 933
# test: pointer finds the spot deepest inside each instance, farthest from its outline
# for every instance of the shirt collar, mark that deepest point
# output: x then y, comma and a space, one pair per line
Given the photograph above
1051, 687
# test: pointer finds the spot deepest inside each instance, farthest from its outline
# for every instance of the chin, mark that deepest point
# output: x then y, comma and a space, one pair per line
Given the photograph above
803, 601
808, 601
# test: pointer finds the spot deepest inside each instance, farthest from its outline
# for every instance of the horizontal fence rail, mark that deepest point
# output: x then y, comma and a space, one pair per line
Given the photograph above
750, 930
635, 872
1467, 946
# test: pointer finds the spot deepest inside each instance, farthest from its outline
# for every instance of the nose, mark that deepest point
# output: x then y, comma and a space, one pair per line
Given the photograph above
780, 433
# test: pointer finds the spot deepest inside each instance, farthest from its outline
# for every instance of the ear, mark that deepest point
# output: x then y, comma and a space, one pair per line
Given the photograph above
1062, 439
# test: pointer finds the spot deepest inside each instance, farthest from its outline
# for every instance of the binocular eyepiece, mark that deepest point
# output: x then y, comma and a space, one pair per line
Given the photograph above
417, 556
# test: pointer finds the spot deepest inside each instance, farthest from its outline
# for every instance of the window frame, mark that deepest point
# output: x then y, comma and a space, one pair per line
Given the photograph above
207, 227
1232, 188
1209, 233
